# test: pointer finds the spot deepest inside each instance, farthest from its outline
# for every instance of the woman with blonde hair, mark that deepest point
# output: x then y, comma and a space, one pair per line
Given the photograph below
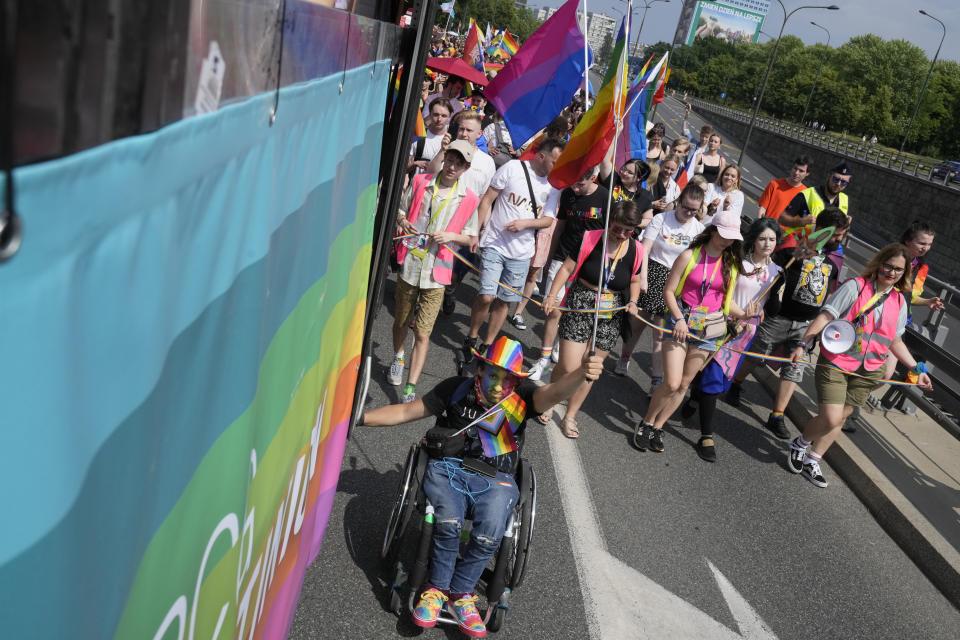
724, 194
875, 304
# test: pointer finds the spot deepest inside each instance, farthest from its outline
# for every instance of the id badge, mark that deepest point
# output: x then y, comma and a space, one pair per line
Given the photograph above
606, 305
419, 245
697, 319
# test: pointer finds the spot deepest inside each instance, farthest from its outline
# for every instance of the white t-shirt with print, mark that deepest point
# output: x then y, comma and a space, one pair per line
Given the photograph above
513, 203
670, 238
477, 178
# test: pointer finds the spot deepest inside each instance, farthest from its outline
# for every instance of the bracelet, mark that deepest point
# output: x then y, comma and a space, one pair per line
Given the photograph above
921, 367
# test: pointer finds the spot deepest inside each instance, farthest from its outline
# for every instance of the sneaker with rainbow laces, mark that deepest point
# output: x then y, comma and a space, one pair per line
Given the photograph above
426, 612
468, 618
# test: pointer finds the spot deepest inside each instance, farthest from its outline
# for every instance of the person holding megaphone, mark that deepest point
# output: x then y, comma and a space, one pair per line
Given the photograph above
860, 324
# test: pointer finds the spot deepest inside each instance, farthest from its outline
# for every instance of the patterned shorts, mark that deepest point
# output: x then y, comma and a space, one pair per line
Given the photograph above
578, 327
652, 301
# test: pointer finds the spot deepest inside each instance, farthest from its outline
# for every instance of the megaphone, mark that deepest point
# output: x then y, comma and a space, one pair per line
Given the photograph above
838, 336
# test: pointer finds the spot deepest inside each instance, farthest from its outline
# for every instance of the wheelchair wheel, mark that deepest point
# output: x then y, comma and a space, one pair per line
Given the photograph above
528, 514
402, 508
499, 614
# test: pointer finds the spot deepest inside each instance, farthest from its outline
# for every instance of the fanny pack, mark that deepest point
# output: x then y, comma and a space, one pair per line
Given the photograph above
707, 325
440, 442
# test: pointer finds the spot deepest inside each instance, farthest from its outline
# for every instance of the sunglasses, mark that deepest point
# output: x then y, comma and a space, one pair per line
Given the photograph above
840, 181
889, 268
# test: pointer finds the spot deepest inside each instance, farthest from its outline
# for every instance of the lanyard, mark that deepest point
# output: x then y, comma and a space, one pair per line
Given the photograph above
704, 283
878, 298
433, 216
608, 269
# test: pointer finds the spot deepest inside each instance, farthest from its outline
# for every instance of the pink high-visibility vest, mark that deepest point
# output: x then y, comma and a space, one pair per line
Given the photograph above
443, 265
876, 339
590, 240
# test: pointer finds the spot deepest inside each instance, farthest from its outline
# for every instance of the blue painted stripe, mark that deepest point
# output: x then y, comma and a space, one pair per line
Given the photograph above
127, 244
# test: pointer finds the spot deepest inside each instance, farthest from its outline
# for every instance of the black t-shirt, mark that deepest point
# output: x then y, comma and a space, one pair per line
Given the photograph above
641, 196
455, 405
808, 282
590, 270
579, 214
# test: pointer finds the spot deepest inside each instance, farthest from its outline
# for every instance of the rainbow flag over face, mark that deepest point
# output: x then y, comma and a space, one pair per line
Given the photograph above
497, 432
538, 81
594, 134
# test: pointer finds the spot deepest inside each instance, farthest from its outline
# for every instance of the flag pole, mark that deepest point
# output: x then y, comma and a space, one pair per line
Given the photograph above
446, 28
586, 62
618, 124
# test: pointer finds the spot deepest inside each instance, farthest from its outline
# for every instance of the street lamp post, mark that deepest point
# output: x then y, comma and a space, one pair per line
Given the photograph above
646, 5
924, 88
803, 118
766, 75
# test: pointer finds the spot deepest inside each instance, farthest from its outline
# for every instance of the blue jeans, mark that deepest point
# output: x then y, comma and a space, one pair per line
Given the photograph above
489, 514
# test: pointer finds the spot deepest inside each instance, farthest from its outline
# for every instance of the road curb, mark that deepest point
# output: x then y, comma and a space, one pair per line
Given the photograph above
918, 538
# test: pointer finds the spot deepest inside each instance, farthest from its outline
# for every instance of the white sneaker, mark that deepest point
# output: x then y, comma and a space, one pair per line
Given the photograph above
623, 364
395, 375
555, 354
537, 371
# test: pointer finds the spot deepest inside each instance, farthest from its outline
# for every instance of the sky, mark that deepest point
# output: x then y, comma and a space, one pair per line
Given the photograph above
889, 19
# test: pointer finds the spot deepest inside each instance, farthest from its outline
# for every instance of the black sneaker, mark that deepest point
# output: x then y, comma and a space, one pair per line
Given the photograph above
656, 440
707, 449
795, 456
641, 435
733, 395
778, 427
812, 473
449, 302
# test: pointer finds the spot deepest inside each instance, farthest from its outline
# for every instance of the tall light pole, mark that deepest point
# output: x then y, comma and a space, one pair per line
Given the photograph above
766, 75
803, 118
929, 73
646, 5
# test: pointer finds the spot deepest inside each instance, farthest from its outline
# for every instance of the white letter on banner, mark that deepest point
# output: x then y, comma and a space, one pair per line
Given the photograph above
248, 535
292, 496
177, 610
244, 605
229, 523
315, 436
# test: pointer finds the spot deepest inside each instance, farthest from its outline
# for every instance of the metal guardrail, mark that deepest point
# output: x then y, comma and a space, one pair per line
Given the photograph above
856, 149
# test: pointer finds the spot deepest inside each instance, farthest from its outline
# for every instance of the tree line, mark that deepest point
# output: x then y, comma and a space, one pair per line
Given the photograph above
868, 86
500, 14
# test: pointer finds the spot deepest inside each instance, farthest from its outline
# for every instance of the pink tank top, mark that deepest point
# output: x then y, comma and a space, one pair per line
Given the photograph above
704, 285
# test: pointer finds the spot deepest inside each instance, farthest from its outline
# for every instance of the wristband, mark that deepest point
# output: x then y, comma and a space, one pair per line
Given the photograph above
680, 319
920, 368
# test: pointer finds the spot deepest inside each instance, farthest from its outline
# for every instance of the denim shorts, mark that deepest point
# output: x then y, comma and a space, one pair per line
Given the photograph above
496, 267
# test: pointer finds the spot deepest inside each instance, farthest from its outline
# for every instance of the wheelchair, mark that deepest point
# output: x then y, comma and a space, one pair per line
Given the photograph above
405, 555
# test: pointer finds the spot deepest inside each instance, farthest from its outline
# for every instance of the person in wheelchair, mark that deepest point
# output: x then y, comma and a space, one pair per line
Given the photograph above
475, 448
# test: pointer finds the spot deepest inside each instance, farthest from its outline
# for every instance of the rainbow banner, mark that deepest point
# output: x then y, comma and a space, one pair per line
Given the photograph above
181, 333
497, 432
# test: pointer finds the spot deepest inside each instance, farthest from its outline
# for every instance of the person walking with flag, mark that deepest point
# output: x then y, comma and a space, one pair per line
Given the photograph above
610, 281
480, 422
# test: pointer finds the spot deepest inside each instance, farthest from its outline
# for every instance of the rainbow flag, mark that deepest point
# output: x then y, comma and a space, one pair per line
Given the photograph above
538, 81
473, 48
509, 44
497, 432
420, 128
632, 142
594, 134
492, 66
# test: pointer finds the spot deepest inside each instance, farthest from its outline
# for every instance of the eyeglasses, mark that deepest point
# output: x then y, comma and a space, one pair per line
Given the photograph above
840, 181
620, 230
889, 268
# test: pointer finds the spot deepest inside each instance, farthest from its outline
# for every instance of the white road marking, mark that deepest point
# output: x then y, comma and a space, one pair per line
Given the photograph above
617, 597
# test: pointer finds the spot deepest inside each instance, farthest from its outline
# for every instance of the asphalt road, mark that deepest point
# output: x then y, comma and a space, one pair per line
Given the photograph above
637, 545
